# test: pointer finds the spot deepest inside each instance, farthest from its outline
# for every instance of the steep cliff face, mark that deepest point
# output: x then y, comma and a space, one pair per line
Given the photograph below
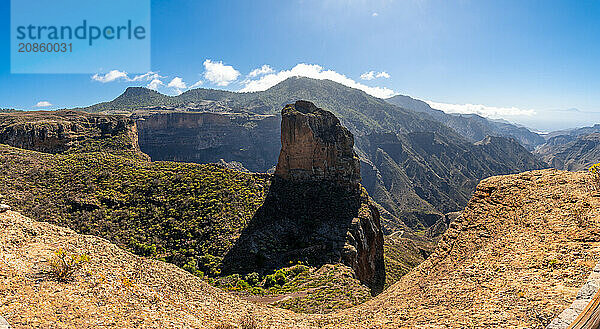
315, 146
62, 131
252, 140
316, 211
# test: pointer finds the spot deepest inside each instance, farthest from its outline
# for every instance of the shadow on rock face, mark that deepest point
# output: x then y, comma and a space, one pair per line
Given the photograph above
316, 211
314, 222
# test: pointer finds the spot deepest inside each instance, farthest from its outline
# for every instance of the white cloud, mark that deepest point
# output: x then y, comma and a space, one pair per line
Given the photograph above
115, 75
368, 75
197, 84
110, 76
178, 83
43, 104
375, 14
316, 72
147, 76
483, 110
372, 75
154, 84
265, 69
220, 74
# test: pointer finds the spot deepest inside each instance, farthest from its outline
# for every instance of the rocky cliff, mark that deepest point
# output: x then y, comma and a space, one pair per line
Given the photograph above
68, 131
252, 140
315, 147
316, 211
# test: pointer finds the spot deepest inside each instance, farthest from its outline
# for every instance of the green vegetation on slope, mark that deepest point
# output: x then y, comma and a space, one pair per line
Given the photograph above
182, 213
300, 288
70, 132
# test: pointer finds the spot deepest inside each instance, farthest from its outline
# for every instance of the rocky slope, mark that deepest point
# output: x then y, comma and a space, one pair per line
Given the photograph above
316, 211
571, 152
514, 259
419, 177
115, 289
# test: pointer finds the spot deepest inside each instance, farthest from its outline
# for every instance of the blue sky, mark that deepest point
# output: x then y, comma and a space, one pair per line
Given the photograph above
513, 59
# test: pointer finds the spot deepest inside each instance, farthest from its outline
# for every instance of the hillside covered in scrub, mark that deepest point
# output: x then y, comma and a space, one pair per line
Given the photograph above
70, 132
515, 259
172, 211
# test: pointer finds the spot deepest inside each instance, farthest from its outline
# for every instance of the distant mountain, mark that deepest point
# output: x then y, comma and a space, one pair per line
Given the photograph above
472, 126
575, 132
554, 120
572, 152
414, 163
132, 98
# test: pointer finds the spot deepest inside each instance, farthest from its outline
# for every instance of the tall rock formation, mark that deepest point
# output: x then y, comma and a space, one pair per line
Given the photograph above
315, 147
316, 210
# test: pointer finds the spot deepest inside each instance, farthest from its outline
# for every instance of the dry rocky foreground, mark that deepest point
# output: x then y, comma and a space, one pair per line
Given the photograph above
514, 259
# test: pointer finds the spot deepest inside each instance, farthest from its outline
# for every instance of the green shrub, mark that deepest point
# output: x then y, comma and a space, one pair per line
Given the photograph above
280, 277
242, 285
269, 281
252, 278
277, 278
144, 249
192, 267
210, 264
298, 269
64, 266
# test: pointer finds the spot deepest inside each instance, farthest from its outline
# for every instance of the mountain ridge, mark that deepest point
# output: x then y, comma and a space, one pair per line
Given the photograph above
473, 126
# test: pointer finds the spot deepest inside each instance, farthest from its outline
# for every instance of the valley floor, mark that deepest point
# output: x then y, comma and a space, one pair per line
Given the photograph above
516, 258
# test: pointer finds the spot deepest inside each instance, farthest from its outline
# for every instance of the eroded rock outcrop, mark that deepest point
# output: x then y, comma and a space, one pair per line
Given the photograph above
316, 210
315, 146
61, 131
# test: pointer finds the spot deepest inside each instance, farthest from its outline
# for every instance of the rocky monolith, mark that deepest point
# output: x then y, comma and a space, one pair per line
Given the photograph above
316, 147
316, 210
